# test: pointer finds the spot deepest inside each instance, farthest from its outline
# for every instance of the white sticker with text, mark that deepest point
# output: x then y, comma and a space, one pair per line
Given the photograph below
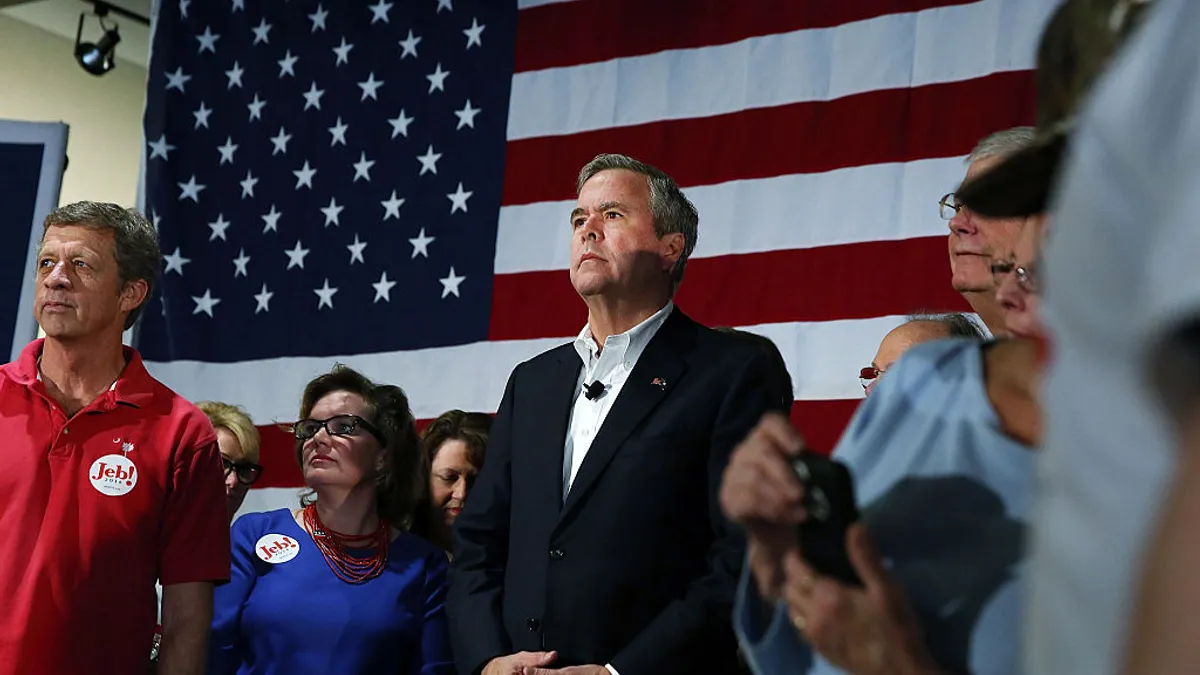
113, 475
276, 548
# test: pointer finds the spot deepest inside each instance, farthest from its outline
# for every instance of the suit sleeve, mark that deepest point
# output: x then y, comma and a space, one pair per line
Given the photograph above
474, 603
701, 618
224, 648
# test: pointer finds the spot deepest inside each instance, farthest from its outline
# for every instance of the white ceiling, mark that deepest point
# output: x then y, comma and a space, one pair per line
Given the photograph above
61, 17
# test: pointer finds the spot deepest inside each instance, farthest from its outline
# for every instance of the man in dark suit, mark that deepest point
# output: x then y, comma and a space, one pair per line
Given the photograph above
593, 541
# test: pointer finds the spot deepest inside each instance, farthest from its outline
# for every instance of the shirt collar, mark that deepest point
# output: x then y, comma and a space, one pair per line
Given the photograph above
627, 346
135, 386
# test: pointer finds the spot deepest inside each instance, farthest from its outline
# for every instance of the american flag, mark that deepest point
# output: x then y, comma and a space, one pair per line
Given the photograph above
387, 185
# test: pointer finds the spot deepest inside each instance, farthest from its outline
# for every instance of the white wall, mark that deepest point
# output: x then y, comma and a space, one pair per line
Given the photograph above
40, 81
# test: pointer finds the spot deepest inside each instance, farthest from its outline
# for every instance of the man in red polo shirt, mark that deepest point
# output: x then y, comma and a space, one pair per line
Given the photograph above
108, 480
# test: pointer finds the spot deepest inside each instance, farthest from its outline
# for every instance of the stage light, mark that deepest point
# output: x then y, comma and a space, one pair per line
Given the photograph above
97, 58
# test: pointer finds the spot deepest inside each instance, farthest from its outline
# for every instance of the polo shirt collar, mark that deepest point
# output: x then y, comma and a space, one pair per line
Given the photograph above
133, 387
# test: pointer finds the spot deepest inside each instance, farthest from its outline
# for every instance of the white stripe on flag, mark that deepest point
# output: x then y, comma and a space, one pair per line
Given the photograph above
887, 52
845, 206
823, 357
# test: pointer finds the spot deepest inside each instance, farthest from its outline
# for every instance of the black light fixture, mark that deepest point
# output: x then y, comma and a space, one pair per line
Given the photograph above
97, 58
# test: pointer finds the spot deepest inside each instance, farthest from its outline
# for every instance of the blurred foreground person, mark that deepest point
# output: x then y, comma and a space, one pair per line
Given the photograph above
111, 480
336, 586
1120, 282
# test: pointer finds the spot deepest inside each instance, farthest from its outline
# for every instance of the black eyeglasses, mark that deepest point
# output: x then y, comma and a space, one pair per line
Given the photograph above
338, 425
948, 206
247, 472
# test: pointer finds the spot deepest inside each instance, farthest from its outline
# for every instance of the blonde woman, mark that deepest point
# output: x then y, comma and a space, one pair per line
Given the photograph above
237, 438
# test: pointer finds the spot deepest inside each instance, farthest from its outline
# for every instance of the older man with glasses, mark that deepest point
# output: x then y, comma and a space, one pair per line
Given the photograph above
977, 241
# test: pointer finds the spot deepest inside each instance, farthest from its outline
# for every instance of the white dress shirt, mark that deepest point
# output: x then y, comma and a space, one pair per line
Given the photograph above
611, 367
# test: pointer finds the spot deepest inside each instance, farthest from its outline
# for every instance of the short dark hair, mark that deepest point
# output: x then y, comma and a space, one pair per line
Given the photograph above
957, 324
399, 481
135, 242
783, 379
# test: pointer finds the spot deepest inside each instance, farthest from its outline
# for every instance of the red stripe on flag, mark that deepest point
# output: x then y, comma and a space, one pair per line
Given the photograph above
895, 125
817, 284
821, 422
573, 33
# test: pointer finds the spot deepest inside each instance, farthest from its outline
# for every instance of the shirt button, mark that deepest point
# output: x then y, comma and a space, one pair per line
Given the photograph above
533, 624
556, 554
66, 430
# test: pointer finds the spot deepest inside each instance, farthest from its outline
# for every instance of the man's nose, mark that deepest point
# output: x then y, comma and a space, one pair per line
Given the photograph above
57, 276
962, 222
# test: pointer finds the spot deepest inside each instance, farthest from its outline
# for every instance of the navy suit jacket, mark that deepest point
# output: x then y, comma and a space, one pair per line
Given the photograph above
638, 567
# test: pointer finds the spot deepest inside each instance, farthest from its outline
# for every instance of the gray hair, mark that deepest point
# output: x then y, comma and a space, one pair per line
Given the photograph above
957, 324
135, 241
1003, 143
671, 210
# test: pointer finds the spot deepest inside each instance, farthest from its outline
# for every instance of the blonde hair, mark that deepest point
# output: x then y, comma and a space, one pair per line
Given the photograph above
237, 422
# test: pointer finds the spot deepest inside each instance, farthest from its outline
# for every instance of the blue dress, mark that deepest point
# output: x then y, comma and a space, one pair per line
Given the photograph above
284, 610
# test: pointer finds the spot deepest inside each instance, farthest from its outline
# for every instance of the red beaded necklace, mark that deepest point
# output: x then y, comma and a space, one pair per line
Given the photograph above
352, 569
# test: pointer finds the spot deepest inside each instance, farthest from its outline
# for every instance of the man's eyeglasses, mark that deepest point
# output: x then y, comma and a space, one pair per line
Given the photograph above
1027, 278
948, 206
868, 375
247, 472
338, 425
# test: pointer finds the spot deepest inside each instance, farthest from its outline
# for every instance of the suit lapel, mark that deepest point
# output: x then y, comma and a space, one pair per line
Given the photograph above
550, 431
654, 376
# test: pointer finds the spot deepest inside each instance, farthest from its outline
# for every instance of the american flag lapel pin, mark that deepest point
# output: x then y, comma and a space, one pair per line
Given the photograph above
659, 382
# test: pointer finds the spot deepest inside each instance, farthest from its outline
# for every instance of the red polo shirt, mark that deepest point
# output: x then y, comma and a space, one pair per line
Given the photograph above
94, 509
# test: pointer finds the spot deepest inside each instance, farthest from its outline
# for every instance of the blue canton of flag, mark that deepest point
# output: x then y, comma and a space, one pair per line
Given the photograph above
325, 177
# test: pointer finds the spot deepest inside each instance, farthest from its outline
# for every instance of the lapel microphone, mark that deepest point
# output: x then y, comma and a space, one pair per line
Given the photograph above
593, 391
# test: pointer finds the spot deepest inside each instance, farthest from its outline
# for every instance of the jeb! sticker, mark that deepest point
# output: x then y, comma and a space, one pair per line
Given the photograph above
276, 548
113, 475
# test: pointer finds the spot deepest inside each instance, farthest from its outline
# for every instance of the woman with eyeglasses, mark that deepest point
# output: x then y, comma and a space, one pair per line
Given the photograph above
338, 585
237, 438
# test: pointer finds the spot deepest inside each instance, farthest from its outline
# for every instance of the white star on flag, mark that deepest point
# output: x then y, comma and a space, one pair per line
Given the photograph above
296, 256
332, 212
429, 161
190, 190
261, 32
466, 116
175, 262
205, 303
356, 250
474, 34
263, 300
248, 185
362, 168
343, 52
409, 45
400, 124
160, 148
256, 107
312, 97
339, 133
450, 284
280, 141
207, 41
271, 220
218, 228
287, 65
240, 262
437, 79
421, 244
325, 293
305, 175
177, 80
383, 288
391, 206
444, 4
458, 199
379, 11
227, 151
235, 75
318, 18
369, 87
